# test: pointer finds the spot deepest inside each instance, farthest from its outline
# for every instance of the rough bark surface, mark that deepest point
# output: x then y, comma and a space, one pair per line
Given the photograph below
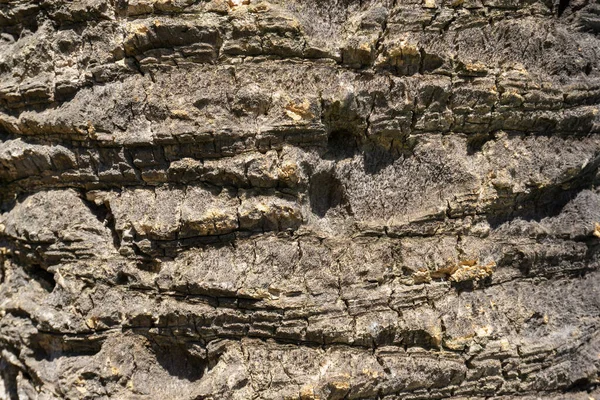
299, 199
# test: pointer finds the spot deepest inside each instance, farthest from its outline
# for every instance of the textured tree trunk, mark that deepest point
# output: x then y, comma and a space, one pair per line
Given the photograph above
299, 199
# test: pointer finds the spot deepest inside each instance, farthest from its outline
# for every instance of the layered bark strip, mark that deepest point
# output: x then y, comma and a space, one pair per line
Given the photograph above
299, 199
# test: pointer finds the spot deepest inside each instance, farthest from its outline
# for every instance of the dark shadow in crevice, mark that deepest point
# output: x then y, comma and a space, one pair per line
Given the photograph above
185, 360
41, 276
417, 338
103, 214
562, 6
469, 286
377, 158
9, 373
146, 263
476, 142
581, 385
341, 144
121, 278
544, 202
326, 191
385, 148
534, 206
50, 346
377, 152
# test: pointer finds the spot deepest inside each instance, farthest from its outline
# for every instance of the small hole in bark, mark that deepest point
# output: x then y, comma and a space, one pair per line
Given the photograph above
562, 6
341, 144
121, 278
41, 276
